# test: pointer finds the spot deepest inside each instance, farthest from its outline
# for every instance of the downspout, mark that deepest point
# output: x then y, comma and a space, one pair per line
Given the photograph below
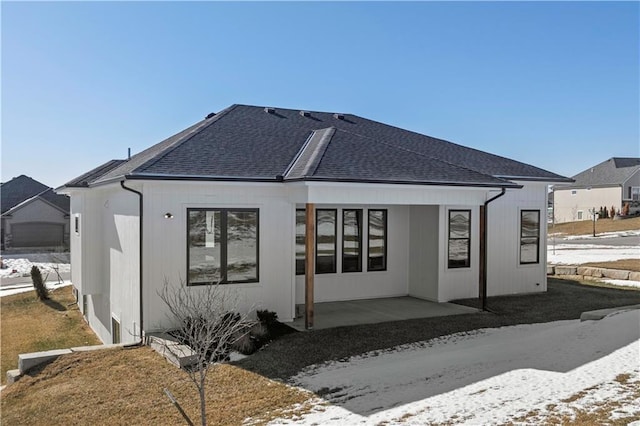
140, 254
483, 249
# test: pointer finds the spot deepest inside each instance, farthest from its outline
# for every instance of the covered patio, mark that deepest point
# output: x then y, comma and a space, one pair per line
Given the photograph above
371, 311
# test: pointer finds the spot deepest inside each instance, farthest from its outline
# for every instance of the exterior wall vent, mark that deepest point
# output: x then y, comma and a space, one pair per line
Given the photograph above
338, 116
211, 114
269, 110
305, 113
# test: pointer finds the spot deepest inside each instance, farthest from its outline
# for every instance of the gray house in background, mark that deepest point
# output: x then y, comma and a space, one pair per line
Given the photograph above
33, 215
611, 183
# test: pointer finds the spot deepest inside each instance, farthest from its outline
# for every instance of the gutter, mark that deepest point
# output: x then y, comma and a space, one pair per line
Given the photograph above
483, 250
140, 256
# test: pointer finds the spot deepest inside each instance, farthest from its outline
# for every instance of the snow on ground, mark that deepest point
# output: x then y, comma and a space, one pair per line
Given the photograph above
525, 372
19, 265
623, 283
23, 288
566, 253
576, 254
600, 235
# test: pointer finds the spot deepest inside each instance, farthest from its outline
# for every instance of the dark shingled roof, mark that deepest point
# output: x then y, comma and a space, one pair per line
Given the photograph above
22, 188
248, 143
95, 174
612, 172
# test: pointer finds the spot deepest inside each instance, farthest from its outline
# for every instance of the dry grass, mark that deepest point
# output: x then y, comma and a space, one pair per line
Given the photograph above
125, 386
624, 264
597, 413
585, 227
28, 325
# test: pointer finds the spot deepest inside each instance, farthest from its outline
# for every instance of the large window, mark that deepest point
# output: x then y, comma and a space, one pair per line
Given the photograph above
377, 247
634, 193
351, 240
222, 246
459, 239
529, 236
326, 230
301, 222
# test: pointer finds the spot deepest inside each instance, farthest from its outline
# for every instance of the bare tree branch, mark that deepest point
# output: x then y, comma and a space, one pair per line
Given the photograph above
208, 322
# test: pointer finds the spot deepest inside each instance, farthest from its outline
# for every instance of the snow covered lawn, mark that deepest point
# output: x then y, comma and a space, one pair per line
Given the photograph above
19, 265
527, 373
577, 254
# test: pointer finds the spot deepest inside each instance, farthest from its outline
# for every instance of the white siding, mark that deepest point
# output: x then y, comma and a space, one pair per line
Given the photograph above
366, 285
505, 275
165, 242
458, 283
424, 252
75, 240
104, 259
105, 252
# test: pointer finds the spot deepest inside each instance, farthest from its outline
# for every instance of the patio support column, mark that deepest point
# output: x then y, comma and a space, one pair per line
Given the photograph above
309, 263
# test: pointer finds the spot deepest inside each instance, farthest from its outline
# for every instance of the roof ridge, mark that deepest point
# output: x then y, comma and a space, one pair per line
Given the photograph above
206, 123
311, 153
402, 148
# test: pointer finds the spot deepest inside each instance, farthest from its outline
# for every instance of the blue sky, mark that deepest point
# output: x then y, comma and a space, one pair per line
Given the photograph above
552, 84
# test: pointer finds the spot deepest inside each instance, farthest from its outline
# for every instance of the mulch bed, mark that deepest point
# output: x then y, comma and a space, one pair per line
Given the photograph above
564, 300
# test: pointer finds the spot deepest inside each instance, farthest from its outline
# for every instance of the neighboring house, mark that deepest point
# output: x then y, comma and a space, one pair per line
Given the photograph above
611, 183
33, 215
392, 213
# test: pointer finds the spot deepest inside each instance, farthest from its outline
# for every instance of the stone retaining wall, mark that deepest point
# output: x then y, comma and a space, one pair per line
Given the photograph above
592, 272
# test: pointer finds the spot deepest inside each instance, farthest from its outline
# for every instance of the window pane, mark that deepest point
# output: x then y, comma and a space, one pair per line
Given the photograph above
459, 253
300, 241
242, 246
351, 240
529, 236
529, 250
459, 223
204, 246
377, 254
325, 241
530, 223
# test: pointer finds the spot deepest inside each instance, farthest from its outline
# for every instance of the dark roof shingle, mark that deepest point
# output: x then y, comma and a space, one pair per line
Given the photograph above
22, 188
612, 172
248, 143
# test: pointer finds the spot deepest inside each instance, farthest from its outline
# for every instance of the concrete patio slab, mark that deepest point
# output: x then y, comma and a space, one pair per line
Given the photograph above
371, 311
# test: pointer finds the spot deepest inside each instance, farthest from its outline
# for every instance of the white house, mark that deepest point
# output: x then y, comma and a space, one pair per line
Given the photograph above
611, 183
391, 213
33, 215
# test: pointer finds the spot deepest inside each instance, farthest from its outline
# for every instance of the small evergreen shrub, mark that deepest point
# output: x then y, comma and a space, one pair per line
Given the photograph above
38, 283
249, 342
267, 317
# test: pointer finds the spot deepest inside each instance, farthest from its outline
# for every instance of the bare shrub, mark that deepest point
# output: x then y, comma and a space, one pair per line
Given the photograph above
208, 323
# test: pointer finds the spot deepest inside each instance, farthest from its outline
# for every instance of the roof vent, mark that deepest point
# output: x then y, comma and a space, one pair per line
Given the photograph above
305, 113
338, 116
211, 114
269, 110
